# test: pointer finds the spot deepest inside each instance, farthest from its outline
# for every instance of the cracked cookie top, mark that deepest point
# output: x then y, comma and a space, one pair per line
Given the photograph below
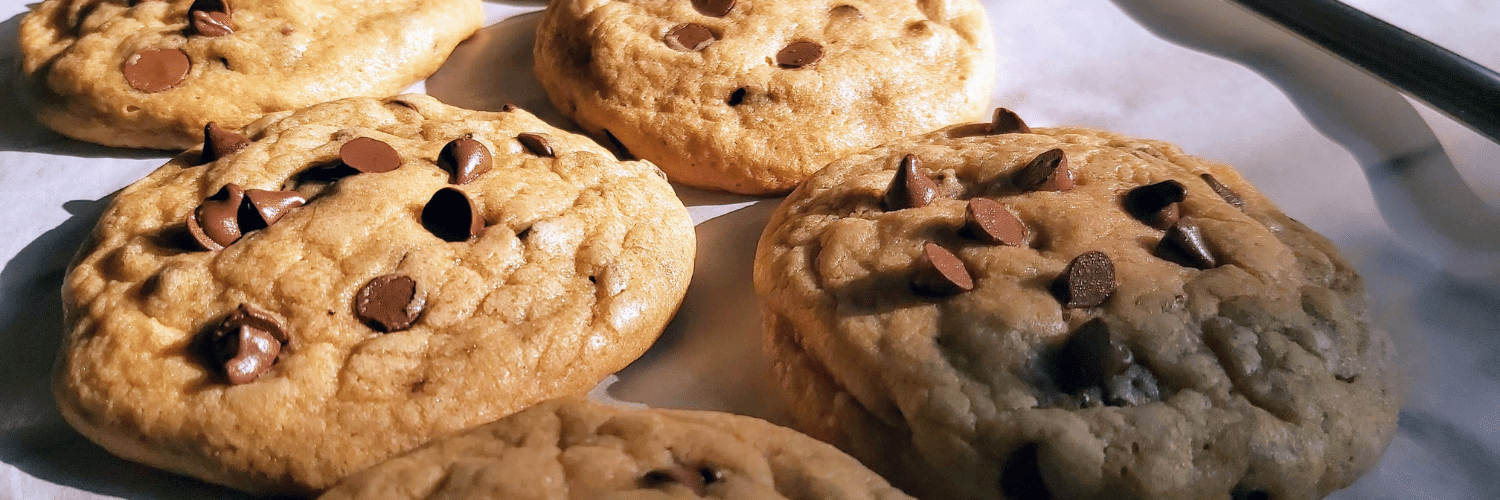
572, 448
754, 96
152, 73
331, 287
995, 311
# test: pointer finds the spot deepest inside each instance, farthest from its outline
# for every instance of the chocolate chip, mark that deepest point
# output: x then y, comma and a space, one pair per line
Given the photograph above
537, 145
450, 214
270, 206
508, 107
1224, 192
1047, 172
1090, 357
1007, 122
245, 345
1183, 243
156, 70
369, 156
219, 142
910, 188
941, 274
210, 23
714, 8
1088, 281
1156, 204
689, 37
465, 159
696, 481
799, 54
215, 223
211, 6
736, 98
989, 221
388, 303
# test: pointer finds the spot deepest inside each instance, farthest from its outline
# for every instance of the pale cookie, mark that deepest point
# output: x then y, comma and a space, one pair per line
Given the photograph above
575, 449
992, 312
152, 73
345, 282
753, 96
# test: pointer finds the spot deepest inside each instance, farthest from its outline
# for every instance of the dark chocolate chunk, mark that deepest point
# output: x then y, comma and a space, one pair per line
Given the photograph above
1088, 281
219, 142
989, 221
1008, 122
451, 215
369, 156
388, 303
156, 70
799, 54
270, 206
910, 188
1090, 357
1183, 243
1047, 172
689, 37
245, 345
941, 273
1156, 204
1224, 192
215, 223
537, 144
210, 23
714, 8
465, 159
696, 481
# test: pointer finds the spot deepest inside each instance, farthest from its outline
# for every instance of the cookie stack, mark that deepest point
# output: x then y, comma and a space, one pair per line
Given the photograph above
330, 276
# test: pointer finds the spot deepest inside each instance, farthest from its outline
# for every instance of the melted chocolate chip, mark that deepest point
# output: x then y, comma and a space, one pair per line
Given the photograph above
210, 23
270, 206
696, 481
369, 156
1156, 204
989, 221
910, 188
156, 70
388, 303
537, 144
1088, 281
451, 215
714, 8
1183, 243
219, 142
690, 37
211, 6
1007, 122
215, 223
1047, 172
465, 159
245, 345
1090, 357
508, 107
1224, 192
941, 273
799, 54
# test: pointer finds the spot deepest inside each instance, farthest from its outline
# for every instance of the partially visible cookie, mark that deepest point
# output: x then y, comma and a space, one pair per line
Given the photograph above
341, 284
754, 96
152, 73
991, 311
572, 448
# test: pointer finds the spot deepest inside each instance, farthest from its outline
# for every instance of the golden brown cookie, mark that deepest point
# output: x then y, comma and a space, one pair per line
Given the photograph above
991, 311
754, 96
152, 73
574, 449
340, 284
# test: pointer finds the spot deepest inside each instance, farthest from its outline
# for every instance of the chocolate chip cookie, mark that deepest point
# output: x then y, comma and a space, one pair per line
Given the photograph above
331, 287
754, 96
572, 448
152, 73
994, 311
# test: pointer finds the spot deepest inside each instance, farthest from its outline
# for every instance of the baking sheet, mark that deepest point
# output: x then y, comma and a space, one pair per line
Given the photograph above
1062, 62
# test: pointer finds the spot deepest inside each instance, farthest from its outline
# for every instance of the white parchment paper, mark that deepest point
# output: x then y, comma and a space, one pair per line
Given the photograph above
1062, 62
